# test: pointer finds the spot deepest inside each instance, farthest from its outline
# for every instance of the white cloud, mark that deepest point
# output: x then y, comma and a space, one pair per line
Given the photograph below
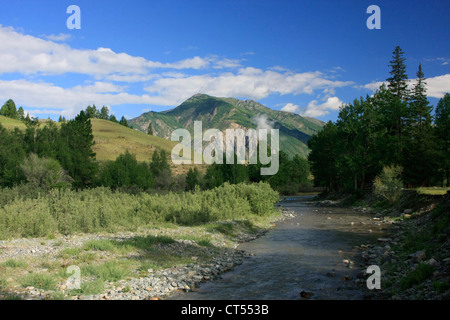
279, 68
316, 110
438, 86
249, 82
58, 37
131, 78
290, 108
167, 83
73, 100
29, 55
227, 63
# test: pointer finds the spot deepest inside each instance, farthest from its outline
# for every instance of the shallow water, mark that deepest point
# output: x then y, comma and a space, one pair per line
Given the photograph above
296, 256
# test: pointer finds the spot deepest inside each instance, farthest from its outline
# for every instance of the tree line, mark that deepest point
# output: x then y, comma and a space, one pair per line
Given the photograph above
50, 156
293, 175
10, 110
394, 128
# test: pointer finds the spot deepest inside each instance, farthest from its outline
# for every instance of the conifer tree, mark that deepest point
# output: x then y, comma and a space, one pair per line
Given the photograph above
104, 113
123, 121
398, 82
9, 109
397, 110
420, 154
20, 114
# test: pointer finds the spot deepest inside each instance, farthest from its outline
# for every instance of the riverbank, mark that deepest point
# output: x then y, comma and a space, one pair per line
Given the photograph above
414, 256
151, 263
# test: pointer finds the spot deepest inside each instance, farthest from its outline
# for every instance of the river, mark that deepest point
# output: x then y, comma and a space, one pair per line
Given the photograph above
307, 253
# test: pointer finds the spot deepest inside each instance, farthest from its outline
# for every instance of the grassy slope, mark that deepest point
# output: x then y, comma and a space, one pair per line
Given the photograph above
10, 124
112, 139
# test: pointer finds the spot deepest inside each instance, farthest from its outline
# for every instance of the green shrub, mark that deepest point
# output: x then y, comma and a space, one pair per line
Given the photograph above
100, 209
388, 183
45, 173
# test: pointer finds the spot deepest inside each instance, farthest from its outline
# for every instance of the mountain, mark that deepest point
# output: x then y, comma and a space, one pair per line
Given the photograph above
225, 113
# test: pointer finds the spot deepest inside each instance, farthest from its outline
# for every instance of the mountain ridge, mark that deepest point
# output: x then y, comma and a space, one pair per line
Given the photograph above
226, 113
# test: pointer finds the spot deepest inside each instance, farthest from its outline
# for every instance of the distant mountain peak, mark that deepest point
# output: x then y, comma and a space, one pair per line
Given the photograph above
227, 113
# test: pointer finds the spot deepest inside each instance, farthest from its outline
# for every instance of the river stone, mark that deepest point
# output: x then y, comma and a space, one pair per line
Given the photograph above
418, 256
432, 262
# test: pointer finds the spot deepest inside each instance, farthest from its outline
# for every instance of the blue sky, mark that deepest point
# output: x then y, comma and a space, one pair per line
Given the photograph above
307, 57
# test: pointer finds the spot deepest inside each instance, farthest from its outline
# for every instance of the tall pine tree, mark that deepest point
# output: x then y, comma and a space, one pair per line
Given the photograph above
397, 111
419, 160
442, 129
398, 81
75, 154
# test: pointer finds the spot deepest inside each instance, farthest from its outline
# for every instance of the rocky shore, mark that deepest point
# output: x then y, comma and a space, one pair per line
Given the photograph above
414, 256
414, 253
207, 262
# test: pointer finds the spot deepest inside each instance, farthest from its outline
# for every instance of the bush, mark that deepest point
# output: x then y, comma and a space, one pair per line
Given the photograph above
100, 209
388, 183
45, 173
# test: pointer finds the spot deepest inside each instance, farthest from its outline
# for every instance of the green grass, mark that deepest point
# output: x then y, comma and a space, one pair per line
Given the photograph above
90, 287
99, 245
128, 245
3, 283
417, 276
233, 228
56, 296
112, 139
10, 296
39, 280
69, 253
10, 124
157, 260
433, 190
203, 241
431, 238
148, 264
108, 271
441, 287
12, 263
